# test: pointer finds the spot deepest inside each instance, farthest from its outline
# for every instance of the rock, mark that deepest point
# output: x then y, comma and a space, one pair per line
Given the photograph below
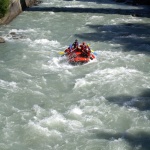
30, 3
13, 33
37, 2
2, 40
14, 10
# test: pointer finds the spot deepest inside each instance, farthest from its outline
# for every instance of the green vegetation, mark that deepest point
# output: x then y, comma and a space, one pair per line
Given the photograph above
4, 7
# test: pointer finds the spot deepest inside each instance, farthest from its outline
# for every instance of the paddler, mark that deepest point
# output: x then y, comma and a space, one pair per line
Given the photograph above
85, 50
68, 50
75, 45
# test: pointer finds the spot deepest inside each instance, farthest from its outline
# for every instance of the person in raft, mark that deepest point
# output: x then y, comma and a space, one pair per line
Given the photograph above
85, 50
75, 45
72, 47
68, 50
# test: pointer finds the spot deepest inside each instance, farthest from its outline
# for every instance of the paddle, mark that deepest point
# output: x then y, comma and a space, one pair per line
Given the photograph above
61, 53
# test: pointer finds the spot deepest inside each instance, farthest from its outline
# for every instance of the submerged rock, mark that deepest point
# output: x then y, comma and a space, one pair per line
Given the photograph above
15, 35
2, 40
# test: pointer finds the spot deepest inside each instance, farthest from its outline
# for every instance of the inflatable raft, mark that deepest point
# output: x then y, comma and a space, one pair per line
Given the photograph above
77, 57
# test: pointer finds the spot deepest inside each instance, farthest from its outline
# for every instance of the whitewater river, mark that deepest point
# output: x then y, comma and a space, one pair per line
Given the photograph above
48, 104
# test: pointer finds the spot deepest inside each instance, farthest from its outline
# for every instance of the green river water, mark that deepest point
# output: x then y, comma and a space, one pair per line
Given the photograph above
48, 104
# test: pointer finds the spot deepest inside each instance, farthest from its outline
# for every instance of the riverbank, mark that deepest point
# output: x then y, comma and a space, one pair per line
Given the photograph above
15, 8
48, 104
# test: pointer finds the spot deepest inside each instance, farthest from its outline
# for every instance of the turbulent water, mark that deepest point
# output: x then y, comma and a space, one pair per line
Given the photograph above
48, 104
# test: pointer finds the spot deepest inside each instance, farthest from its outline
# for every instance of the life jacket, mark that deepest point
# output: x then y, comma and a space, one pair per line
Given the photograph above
68, 51
88, 50
85, 50
75, 44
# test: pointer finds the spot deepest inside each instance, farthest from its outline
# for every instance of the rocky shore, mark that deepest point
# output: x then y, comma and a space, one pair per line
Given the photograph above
15, 8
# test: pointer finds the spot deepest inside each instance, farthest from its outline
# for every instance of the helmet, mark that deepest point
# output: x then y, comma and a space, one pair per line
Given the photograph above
83, 43
76, 40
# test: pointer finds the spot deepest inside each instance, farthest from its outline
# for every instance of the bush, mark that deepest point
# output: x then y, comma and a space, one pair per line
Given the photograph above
4, 7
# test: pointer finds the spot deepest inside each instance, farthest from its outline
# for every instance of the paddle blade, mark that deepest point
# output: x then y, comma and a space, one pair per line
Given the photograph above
94, 52
61, 53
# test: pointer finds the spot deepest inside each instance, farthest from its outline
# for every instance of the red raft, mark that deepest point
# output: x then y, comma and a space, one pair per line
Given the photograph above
76, 57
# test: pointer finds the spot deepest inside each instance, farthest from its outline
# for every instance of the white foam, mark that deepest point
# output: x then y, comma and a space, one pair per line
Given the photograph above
76, 111
92, 18
38, 93
54, 121
38, 129
42, 41
81, 83
57, 64
80, 6
45, 43
135, 129
75, 125
125, 20
106, 73
44, 3
11, 86
52, 13
22, 31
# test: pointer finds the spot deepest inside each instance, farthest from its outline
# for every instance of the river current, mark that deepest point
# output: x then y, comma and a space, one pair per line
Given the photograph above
48, 104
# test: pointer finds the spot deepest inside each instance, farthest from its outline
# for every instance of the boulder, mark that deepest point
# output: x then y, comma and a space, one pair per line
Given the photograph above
2, 40
14, 10
30, 3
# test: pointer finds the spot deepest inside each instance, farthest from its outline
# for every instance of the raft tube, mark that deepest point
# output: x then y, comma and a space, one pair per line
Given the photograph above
77, 58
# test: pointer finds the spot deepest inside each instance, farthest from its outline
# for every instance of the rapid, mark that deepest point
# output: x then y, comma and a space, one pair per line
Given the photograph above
48, 104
